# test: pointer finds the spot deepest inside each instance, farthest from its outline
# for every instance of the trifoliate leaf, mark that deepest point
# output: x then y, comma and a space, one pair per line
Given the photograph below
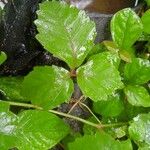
137, 96
11, 88
65, 31
48, 87
111, 107
126, 28
139, 129
99, 141
138, 71
99, 78
146, 21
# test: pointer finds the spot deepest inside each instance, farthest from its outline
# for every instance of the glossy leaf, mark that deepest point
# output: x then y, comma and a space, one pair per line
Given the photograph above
126, 28
146, 21
2, 57
99, 78
31, 130
70, 32
137, 96
139, 129
11, 88
48, 87
39, 130
7, 127
99, 141
137, 72
111, 107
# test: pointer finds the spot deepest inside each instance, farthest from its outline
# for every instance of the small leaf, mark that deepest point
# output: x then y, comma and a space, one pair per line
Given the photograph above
146, 21
110, 45
47, 87
111, 107
126, 28
99, 141
137, 96
65, 31
139, 129
137, 72
11, 88
3, 57
99, 77
39, 130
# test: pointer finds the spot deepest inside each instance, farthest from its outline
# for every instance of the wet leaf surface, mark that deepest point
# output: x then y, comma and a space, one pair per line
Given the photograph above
139, 129
70, 32
99, 78
137, 96
138, 71
31, 129
126, 28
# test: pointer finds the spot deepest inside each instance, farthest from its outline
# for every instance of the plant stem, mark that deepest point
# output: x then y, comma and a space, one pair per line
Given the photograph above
22, 104
76, 118
98, 126
90, 112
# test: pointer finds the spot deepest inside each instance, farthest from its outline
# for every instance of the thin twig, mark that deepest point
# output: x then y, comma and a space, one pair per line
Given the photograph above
90, 112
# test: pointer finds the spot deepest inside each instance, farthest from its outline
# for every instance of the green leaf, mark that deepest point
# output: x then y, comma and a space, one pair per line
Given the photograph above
65, 31
137, 96
3, 57
99, 78
146, 21
126, 28
38, 130
48, 86
4, 107
111, 107
139, 129
7, 127
137, 72
30, 130
99, 141
148, 2
11, 88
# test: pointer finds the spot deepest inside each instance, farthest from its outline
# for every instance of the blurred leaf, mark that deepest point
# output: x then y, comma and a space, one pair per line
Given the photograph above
126, 28
146, 21
137, 96
139, 129
3, 57
11, 88
137, 72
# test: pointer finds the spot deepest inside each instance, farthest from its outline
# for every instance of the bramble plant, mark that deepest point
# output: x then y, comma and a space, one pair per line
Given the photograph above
112, 74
